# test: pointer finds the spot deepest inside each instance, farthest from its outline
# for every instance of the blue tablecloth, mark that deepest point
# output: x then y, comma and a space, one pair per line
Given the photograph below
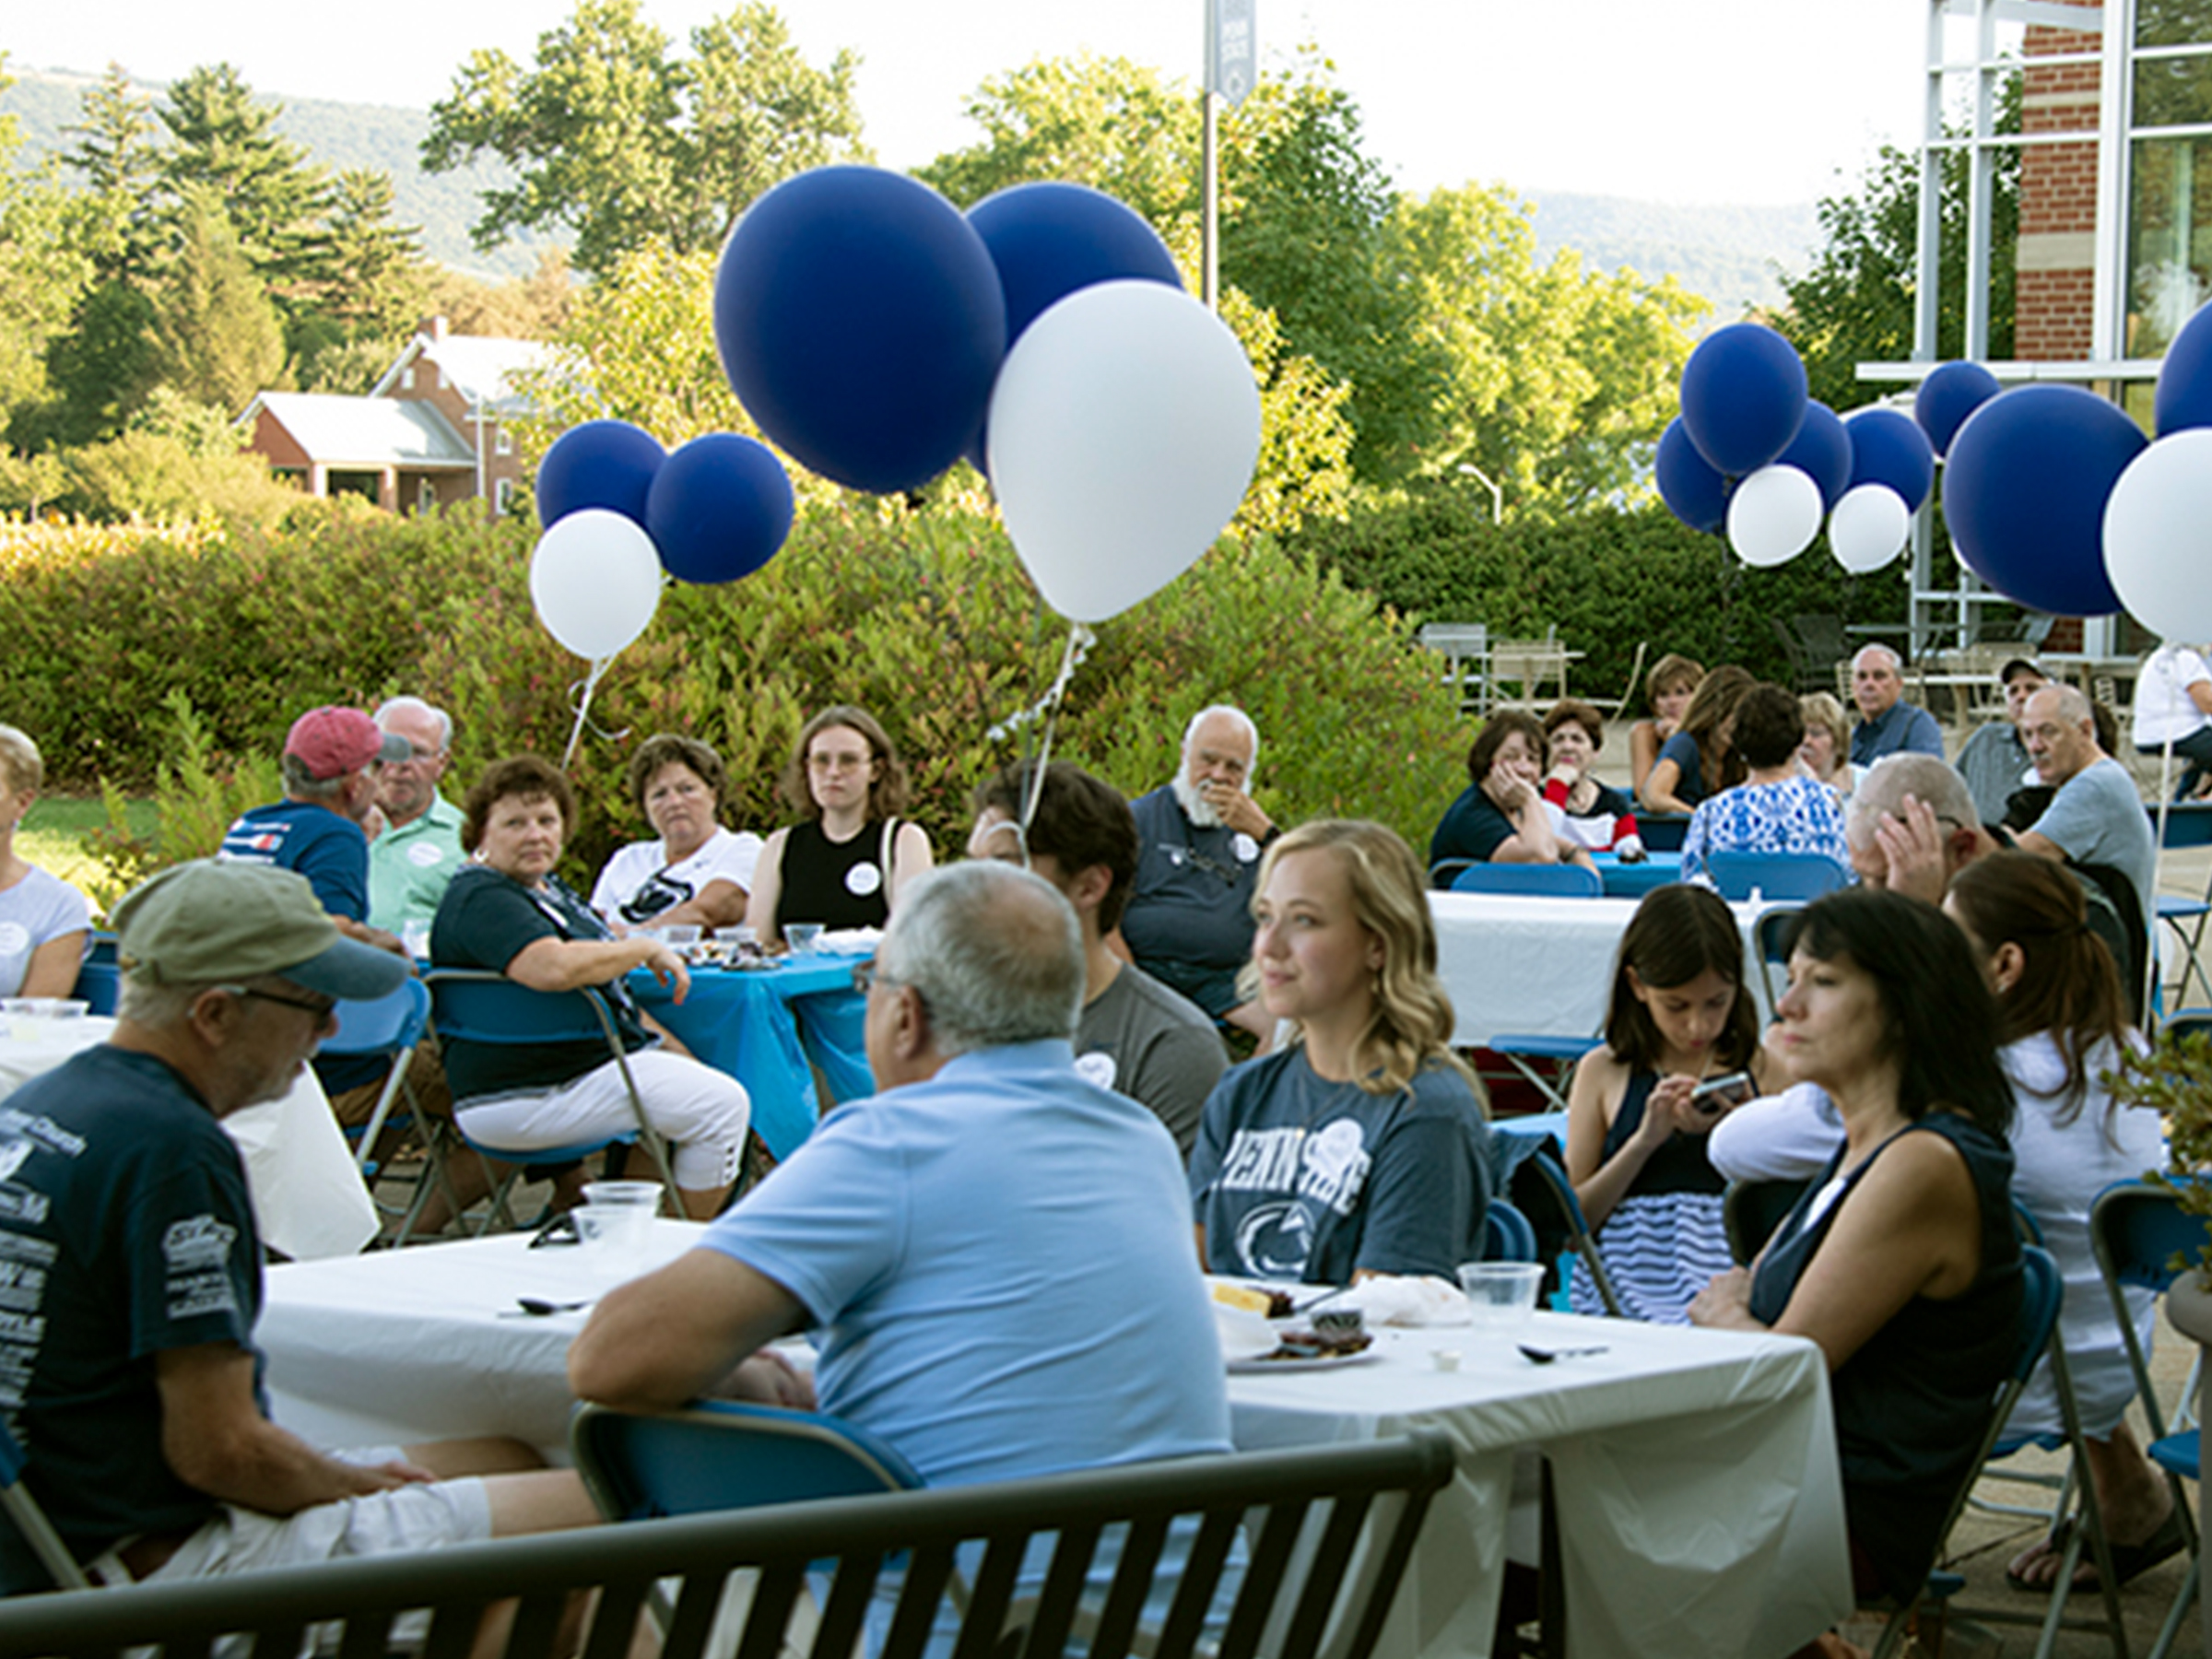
763, 1030
1634, 880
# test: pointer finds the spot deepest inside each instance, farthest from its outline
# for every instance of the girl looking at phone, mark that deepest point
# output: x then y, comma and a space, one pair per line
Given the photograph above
1639, 1110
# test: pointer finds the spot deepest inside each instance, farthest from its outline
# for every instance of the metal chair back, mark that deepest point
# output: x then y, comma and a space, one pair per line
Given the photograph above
1552, 1180
30, 1521
1511, 1237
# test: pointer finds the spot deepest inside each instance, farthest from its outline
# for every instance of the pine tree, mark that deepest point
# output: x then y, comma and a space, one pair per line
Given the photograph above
218, 335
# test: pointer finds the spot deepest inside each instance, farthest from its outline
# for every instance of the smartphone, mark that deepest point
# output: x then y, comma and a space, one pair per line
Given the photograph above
1718, 1094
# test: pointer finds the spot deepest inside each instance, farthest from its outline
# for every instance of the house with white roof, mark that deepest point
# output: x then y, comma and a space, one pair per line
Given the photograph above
433, 430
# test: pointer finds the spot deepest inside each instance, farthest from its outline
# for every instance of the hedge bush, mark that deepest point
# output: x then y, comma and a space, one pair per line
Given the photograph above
926, 619
1604, 579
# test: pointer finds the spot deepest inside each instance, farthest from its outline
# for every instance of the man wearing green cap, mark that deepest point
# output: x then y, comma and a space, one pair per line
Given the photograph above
130, 1268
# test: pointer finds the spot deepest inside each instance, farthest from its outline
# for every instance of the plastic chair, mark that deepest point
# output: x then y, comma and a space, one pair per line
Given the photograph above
2186, 825
720, 1455
100, 977
474, 1005
2040, 1292
1800, 876
1752, 1210
1511, 1238
1556, 881
31, 1520
1663, 831
1553, 1180
1770, 939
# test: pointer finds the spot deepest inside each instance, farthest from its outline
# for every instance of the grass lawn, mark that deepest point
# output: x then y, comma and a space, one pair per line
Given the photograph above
52, 837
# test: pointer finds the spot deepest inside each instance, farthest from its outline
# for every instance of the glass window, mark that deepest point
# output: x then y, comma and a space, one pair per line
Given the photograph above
2170, 240
2173, 91
2173, 22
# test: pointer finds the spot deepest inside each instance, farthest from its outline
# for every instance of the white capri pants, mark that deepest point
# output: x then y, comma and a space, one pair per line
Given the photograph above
696, 1108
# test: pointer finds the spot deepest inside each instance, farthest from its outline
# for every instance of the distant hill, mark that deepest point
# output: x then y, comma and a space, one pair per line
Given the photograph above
1728, 254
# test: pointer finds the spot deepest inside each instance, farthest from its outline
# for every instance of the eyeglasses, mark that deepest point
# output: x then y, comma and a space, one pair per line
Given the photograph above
866, 976
322, 1007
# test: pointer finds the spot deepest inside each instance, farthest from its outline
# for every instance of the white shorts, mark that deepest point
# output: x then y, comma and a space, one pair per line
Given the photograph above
703, 1113
410, 1517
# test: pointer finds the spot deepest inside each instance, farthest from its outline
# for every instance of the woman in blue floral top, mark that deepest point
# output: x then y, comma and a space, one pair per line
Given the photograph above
1776, 808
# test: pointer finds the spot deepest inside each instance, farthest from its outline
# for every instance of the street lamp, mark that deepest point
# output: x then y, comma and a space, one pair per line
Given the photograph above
1497, 495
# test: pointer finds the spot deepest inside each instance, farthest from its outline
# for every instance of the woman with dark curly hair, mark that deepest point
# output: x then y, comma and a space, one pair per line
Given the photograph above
697, 873
1502, 817
1776, 808
843, 864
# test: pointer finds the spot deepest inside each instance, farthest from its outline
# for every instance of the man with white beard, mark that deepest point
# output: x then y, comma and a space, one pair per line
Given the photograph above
1189, 920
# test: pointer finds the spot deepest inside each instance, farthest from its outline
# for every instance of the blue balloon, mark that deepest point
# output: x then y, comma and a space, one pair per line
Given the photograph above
1888, 447
2185, 394
1050, 240
719, 509
861, 323
1952, 393
1692, 490
608, 464
2024, 492
1743, 397
1822, 452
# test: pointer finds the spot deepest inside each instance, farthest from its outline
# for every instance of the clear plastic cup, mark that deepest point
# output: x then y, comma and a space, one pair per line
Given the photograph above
1501, 1295
615, 1218
803, 937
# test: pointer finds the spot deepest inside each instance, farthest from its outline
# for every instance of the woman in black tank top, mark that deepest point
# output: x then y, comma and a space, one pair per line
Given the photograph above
843, 867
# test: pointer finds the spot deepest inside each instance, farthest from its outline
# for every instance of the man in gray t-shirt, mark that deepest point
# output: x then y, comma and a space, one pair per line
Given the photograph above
1135, 1036
2097, 817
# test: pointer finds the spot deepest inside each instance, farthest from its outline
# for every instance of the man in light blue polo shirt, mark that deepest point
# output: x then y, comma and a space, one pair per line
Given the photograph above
1888, 724
2097, 817
419, 848
995, 1253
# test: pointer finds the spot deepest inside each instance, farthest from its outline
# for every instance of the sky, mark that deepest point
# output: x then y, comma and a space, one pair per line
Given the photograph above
1745, 102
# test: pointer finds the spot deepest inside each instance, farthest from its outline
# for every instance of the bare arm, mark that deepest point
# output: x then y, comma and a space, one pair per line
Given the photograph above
1532, 841
768, 890
2043, 846
217, 1441
1644, 738
2200, 693
674, 1335
1601, 1182
721, 903
1659, 785
910, 858
571, 964
361, 933
53, 966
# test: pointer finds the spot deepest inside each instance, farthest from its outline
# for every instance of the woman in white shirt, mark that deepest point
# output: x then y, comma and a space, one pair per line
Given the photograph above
698, 872
44, 922
2174, 704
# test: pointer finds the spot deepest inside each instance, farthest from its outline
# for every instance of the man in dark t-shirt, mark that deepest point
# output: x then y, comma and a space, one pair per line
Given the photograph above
133, 1267
1134, 1035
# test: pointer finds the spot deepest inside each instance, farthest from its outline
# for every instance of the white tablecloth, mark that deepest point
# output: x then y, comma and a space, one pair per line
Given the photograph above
1541, 967
309, 1199
1699, 1505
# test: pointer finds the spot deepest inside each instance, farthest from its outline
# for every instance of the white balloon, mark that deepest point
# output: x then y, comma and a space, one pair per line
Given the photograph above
1773, 515
1868, 527
1123, 429
595, 581
2158, 535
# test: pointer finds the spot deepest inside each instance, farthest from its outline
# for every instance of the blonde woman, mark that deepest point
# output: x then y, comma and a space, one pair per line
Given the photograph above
1361, 1146
1666, 689
44, 922
1825, 754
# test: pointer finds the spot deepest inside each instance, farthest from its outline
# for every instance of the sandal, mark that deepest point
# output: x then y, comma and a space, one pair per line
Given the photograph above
2130, 1561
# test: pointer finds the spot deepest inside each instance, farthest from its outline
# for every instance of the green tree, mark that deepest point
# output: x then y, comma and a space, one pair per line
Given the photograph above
42, 271
225, 142
1560, 378
103, 366
215, 331
616, 139
1855, 304
114, 151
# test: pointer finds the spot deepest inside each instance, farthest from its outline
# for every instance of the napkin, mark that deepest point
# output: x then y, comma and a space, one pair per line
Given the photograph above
1422, 1299
849, 941
1244, 1335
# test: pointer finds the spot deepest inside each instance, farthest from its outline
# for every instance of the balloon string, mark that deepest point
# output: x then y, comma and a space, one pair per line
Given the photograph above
1046, 710
582, 691
2150, 957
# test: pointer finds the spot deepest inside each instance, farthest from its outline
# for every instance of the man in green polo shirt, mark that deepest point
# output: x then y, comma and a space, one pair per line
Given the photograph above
420, 848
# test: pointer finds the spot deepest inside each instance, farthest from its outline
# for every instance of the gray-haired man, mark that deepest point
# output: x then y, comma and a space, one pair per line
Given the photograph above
1888, 724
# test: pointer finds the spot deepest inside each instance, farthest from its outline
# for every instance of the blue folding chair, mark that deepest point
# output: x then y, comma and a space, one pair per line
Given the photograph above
2186, 825
389, 1028
1551, 881
474, 1005
30, 1521
1552, 1180
100, 976
1511, 1238
1799, 875
721, 1454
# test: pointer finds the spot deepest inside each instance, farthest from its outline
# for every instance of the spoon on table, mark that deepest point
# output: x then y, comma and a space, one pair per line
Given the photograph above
1545, 1356
538, 1307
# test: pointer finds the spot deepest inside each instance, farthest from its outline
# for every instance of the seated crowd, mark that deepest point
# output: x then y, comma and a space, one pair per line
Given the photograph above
1048, 1044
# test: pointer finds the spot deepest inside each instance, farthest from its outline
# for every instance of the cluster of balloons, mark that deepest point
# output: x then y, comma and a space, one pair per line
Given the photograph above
2056, 499
877, 335
621, 513
1752, 453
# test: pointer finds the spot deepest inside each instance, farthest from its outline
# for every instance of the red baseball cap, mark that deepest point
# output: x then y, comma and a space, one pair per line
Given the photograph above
331, 742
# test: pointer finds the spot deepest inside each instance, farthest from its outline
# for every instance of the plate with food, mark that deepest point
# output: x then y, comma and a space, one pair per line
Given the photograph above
1302, 1351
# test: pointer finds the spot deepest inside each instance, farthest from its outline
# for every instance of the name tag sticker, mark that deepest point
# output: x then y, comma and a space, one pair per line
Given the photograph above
1245, 848
863, 879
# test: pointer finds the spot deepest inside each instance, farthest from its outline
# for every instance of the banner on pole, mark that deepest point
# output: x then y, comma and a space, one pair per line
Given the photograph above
1232, 49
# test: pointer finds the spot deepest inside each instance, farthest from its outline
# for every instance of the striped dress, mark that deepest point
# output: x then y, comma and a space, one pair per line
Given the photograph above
1664, 1240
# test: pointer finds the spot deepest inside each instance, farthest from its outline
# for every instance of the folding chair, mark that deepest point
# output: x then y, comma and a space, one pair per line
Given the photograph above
1770, 936
100, 977
1552, 1180
474, 1005
2040, 1291
1554, 881
1799, 875
2143, 1240
1752, 1210
1512, 1238
719, 1455
2186, 825
390, 1028
31, 1520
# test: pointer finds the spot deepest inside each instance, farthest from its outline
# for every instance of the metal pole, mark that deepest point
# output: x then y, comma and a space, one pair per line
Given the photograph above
1209, 208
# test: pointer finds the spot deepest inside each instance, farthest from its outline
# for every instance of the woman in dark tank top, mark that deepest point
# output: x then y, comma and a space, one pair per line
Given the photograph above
844, 864
1900, 1260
